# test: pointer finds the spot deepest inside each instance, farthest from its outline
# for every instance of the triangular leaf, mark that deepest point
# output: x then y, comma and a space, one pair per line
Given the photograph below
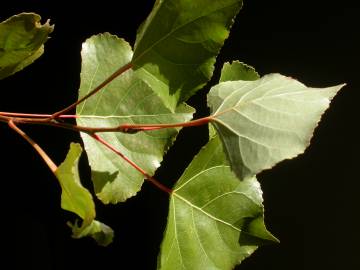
265, 121
77, 199
176, 46
21, 42
215, 221
238, 71
129, 100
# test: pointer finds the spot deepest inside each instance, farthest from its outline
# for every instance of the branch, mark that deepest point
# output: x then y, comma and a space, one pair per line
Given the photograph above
45, 119
133, 164
35, 115
131, 128
52, 165
38, 149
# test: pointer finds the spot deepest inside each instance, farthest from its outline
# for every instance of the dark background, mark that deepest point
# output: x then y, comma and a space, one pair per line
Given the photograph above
311, 202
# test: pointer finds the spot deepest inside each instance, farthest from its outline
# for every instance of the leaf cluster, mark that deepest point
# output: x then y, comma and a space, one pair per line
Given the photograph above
132, 105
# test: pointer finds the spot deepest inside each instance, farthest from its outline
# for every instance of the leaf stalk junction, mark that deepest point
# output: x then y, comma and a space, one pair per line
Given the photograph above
57, 119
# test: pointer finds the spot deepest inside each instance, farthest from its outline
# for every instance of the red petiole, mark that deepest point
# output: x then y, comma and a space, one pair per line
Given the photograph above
13, 118
133, 164
31, 115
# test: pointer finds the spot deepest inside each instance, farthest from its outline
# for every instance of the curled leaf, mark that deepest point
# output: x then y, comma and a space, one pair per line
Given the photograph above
22, 39
77, 199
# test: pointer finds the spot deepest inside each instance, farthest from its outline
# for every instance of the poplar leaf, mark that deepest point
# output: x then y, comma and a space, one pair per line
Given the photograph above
215, 221
22, 39
176, 47
126, 100
265, 121
77, 199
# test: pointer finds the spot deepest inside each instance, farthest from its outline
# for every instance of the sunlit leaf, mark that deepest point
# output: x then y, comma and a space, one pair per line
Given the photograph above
215, 220
265, 121
176, 46
126, 99
77, 199
22, 39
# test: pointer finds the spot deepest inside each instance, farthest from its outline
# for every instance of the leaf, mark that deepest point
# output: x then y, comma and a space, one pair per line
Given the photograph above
265, 121
99, 231
237, 71
77, 199
22, 39
176, 47
126, 99
215, 221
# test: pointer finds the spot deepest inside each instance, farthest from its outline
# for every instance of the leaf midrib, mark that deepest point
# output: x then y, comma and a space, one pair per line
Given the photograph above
263, 97
205, 213
175, 30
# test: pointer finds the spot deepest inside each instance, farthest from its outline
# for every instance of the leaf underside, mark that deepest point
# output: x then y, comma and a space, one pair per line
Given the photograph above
127, 99
176, 47
77, 199
265, 121
22, 39
215, 220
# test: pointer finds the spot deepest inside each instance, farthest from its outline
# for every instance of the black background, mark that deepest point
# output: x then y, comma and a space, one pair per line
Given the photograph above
311, 202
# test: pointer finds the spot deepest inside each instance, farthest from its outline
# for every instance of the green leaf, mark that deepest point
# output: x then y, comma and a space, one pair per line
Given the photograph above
21, 42
238, 71
100, 232
215, 221
265, 121
126, 99
176, 47
77, 199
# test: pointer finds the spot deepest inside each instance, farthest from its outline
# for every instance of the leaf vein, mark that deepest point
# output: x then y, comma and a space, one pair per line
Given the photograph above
262, 124
90, 86
225, 194
198, 237
198, 174
206, 213
243, 136
178, 28
175, 234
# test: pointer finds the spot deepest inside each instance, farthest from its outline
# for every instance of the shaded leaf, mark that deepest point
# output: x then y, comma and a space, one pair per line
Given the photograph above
126, 99
99, 231
176, 46
77, 199
215, 221
238, 71
21, 42
265, 121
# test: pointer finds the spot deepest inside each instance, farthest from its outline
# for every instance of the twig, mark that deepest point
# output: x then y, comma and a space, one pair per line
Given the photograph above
133, 164
38, 149
35, 115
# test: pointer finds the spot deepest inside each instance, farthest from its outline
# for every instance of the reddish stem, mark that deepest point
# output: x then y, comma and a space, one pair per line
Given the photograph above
44, 119
147, 127
113, 76
133, 164
32, 115
38, 149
